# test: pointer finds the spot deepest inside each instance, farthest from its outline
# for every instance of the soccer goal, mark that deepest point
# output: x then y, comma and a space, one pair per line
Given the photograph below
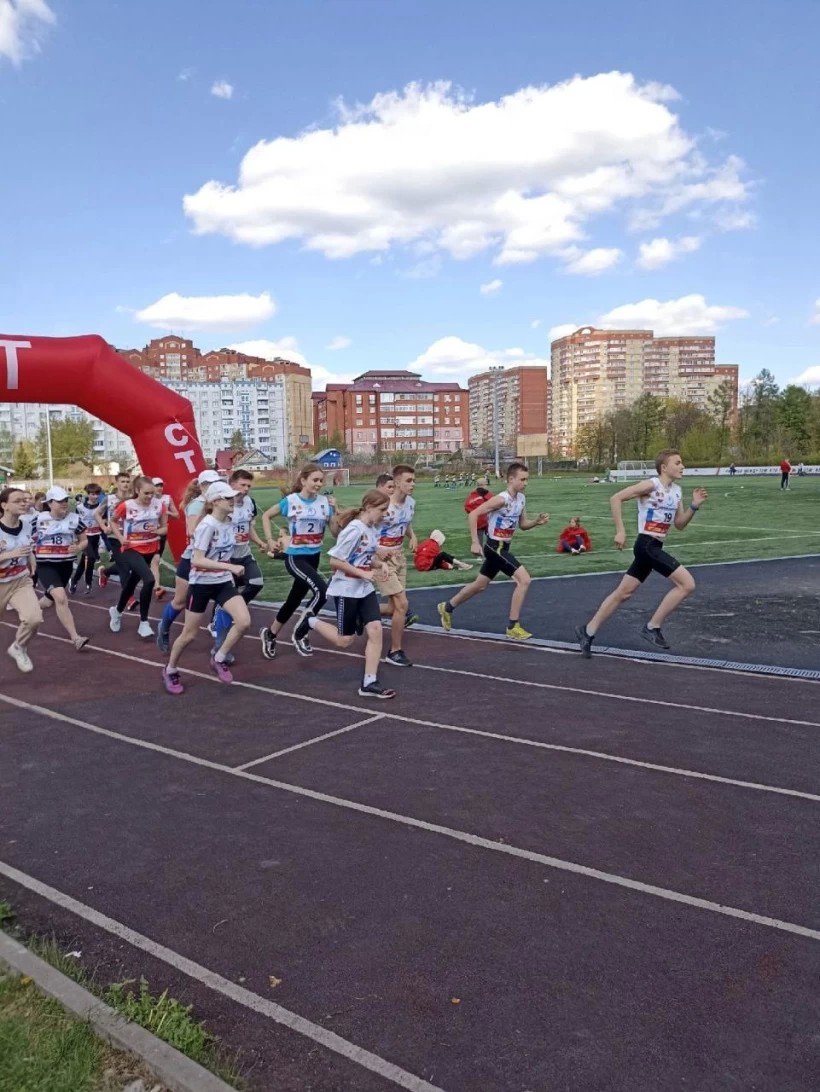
632, 470
337, 479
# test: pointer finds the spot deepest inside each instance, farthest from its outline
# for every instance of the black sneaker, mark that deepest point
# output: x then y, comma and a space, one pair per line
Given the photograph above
410, 618
585, 641
375, 690
301, 637
398, 658
268, 640
72, 587
655, 637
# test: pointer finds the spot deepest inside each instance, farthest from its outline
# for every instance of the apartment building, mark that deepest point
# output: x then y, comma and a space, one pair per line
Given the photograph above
520, 397
24, 420
596, 371
395, 412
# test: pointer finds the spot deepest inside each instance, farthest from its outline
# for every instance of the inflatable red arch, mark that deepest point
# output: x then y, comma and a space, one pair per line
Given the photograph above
86, 372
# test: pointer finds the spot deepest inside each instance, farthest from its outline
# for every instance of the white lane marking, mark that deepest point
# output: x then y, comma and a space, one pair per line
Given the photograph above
231, 990
474, 840
316, 739
521, 741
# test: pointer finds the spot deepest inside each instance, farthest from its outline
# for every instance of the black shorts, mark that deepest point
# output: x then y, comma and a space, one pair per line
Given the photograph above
498, 559
162, 540
650, 557
354, 612
200, 595
183, 570
54, 574
251, 566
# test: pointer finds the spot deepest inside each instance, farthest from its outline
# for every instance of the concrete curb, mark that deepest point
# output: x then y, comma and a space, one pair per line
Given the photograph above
168, 1065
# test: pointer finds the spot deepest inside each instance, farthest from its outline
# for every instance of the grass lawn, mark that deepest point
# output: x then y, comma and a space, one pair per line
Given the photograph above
745, 517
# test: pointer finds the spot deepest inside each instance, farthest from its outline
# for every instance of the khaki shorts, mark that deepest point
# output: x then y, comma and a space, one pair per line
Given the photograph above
396, 582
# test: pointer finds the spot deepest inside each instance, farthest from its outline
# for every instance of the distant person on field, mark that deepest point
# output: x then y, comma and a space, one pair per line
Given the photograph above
660, 507
429, 555
800, 470
574, 539
785, 471
732, 470
480, 495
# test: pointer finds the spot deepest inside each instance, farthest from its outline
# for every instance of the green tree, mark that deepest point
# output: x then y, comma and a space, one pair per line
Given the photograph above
6, 446
71, 442
24, 460
648, 413
794, 411
721, 403
237, 441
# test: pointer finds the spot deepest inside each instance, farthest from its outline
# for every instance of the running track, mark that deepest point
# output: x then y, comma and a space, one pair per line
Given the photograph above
528, 872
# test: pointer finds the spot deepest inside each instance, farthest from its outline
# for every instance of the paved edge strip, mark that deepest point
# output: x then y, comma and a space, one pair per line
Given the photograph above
173, 1069
212, 980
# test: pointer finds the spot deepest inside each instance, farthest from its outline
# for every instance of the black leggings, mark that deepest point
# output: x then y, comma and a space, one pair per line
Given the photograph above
116, 567
88, 559
442, 559
138, 568
304, 568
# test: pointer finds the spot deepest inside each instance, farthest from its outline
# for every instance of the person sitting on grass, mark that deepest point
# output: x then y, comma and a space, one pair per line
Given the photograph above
574, 539
429, 555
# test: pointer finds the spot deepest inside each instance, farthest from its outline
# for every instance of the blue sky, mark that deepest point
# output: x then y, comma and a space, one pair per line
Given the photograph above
400, 183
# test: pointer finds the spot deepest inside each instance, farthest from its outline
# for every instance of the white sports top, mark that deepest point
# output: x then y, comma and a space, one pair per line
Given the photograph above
216, 541
656, 510
503, 522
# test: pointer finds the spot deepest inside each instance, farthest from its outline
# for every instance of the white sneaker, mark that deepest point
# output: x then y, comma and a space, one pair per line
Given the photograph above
145, 630
20, 657
115, 625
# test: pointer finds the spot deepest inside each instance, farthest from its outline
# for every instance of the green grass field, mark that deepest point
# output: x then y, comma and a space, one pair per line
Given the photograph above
745, 517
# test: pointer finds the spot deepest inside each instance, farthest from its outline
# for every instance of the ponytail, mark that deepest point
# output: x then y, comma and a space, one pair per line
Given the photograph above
307, 469
374, 498
192, 490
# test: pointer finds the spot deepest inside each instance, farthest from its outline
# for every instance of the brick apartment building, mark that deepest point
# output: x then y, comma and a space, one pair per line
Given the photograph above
520, 396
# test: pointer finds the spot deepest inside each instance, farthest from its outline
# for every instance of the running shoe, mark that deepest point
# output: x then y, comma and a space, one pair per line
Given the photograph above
301, 637
172, 681
163, 638
20, 657
211, 628
131, 604
159, 592
80, 643
585, 641
398, 659
72, 587
221, 670
102, 577
518, 633
87, 590
375, 690
145, 630
115, 625
655, 637
410, 619
268, 640
446, 616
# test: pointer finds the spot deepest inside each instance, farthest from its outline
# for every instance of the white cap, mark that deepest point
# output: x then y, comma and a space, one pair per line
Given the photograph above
56, 493
220, 491
438, 536
208, 476
158, 481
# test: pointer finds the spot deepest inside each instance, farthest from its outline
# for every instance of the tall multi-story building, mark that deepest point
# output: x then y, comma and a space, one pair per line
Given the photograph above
22, 421
519, 396
394, 412
597, 371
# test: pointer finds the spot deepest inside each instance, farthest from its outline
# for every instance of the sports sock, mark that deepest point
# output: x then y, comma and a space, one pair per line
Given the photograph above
312, 620
448, 606
368, 679
222, 623
512, 622
169, 615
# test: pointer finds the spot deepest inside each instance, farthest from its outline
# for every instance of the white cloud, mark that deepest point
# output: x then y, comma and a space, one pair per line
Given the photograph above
773, 320
23, 24
815, 318
660, 252
590, 263
186, 74
809, 378
520, 177
491, 287
453, 358
671, 318
535, 324
175, 312
339, 342
286, 347
222, 89
562, 330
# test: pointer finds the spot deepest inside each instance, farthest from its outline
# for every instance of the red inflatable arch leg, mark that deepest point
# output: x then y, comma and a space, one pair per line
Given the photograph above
86, 372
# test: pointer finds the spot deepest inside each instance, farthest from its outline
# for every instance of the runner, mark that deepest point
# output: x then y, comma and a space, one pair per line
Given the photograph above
398, 526
308, 514
87, 508
211, 580
660, 506
386, 484
59, 535
507, 512
355, 566
171, 509
137, 525
16, 591
103, 516
193, 506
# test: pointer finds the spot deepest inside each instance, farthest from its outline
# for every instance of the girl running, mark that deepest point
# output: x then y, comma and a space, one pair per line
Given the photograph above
171, 509
87, 508
211, 580
137, 525
58, 537
193, 505
16, 591
308, 514
355, 567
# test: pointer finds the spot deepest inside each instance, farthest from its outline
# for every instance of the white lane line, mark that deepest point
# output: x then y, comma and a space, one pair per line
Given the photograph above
521, 741
464, 837
231, 990
316, 739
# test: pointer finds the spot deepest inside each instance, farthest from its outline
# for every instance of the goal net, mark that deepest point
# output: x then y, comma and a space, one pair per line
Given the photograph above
632, 470
337, 479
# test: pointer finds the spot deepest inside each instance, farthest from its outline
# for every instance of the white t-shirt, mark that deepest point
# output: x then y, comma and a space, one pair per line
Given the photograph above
216, 541
656, 510
193, 508
397, 519
14, 567
502, 523
356, 545
242, 517
56, 539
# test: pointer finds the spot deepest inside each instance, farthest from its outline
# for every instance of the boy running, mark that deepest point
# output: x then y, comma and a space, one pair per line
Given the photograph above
660, 506
398, 525
243, 519
506, 513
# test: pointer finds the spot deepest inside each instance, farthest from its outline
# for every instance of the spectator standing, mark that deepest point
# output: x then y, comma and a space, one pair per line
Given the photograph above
785, 471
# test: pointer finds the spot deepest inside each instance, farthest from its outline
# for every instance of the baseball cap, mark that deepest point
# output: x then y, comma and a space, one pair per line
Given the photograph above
158, 481
220, 491
208, 476
56, 493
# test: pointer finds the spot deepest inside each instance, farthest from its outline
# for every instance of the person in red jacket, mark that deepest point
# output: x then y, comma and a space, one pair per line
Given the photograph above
785, 470
479, 496
429, 555
574, 538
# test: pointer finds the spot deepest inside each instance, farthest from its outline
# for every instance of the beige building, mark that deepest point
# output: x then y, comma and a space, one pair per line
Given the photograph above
520, 397
597, 371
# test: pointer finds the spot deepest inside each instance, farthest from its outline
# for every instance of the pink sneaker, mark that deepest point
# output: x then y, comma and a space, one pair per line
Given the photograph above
221, 670
172, 681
